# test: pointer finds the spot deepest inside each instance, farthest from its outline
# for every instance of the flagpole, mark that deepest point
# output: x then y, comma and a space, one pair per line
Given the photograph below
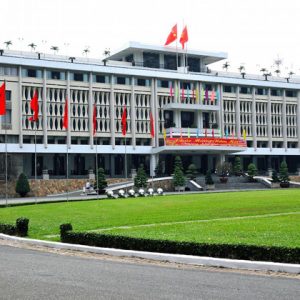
6, 167
125, 159
35, 177
97, 185
67, 167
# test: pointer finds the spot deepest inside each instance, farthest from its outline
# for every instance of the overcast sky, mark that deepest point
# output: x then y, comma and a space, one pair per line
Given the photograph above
253, 32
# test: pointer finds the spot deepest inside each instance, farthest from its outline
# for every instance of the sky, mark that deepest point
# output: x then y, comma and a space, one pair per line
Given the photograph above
253, 32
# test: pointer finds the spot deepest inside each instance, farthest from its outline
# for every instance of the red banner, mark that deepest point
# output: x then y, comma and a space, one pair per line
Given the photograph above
206, 141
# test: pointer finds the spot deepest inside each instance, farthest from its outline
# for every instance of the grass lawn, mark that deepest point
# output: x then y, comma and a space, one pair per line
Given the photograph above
193, 217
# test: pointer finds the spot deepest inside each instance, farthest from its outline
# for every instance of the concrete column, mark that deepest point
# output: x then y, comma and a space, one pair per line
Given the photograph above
269, 119
155, 115
20, 107
298, 119
237, 113
153, 163
284, 126
69, 111
112, 165
90, 110
254, 120
133, 114
112, 113
221, 113
44, 112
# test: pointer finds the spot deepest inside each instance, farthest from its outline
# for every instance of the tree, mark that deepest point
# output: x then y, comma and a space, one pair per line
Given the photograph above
8, 43
191, 172
226, 66
102, 183
275, 177
237, 168
32, 46
178, 177
284, 172
55, 49
86, 50
208, 178
224, 169
252, 171
178, 163
159, 168
22, 186
140, 180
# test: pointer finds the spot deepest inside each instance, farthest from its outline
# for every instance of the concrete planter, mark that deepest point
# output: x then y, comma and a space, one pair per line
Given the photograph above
179, 188
210, 187
223, 179
284, 184
275, 185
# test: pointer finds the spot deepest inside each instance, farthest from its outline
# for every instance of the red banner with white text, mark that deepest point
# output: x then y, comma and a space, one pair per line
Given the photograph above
206, 141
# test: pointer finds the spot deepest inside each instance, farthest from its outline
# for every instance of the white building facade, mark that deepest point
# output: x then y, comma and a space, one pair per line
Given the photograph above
196, 113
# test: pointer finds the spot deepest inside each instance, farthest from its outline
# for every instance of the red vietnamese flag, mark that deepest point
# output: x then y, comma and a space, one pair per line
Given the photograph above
124, 121
151, 125
94, 119
2, 100
184, 37
66, 116
34, 105
172, 35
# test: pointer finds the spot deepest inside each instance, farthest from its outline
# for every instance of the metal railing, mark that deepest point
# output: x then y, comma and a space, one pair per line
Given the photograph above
192, 132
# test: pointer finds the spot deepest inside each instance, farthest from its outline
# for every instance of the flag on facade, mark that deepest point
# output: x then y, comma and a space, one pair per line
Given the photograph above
202, 96
193, 92
184, 37
34, 105
212, 96
171, 90
124, 121
171, 132
172, 35
165, 133
2, 100
197, 95
206, 95
94, 119
151, 125
66, 116
188, 92
182, 93
244, 134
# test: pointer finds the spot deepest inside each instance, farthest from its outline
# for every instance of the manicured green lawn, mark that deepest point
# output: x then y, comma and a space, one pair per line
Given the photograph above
94, 215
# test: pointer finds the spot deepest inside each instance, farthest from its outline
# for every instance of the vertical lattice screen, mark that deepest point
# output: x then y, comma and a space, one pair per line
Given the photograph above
27, 94
261, 119
276, 119
162, 101
55, 98
79, 110
229, 117
246, 117
291, 120
212, 118
101, 99
142, 108
121, 100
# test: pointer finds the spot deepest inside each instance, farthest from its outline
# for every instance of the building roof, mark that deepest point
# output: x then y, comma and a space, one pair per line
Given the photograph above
207, 57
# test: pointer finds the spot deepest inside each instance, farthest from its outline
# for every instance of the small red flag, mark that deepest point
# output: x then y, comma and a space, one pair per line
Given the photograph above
151, 125
172, 35
2, 100
184, 37
34, 105
66, 115
94, 119
124, 121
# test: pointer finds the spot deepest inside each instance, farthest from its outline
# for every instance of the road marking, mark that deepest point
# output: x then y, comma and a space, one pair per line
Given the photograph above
197, 221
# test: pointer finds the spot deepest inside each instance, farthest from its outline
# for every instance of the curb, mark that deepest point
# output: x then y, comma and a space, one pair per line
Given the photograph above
176, 258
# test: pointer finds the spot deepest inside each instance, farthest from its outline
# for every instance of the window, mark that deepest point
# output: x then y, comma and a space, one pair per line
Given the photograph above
290, 93
151, 60
208, 87
121, 80
55, 75
8, 95
99, 78
31, 73
228, 89
163, 83
78, 77
141, 82
260, 91
245, 90
9, 71
194, 64
276, 93
170, 62
129, 58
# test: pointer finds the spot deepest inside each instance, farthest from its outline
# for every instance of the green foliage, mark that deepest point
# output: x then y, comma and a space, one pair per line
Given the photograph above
7, 229
237, 167
284, 172
275, 177
208, 178
102, 183
191, 172
178, 177
234, 251
22, 226
63, 228
178, 163
224, 169
22, 186
140, 180
159, 169
252, 170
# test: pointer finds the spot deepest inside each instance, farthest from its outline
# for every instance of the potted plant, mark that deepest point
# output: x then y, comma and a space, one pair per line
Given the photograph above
178, 179
237, 167
210, 185
191, 172
102, 183
275, 180
284, 175
252, 171
223, 171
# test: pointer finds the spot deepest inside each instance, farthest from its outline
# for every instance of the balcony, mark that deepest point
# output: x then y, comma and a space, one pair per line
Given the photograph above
174, 132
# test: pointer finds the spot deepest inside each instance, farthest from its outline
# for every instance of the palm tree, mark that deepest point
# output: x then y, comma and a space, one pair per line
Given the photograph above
71, 58
106, 52
86, 50
226, 66
32, 46
277, 71
8, 43
55, 49
263, 70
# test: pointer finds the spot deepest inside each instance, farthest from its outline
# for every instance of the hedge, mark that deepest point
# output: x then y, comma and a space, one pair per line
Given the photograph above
20, 229
238, 251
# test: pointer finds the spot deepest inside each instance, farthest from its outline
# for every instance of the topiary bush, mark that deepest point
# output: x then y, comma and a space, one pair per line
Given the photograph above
275, 177
191, 172
178, 177
252, 171
63, 228
22, 226
22, 185
237, 167
102, 183
284, 172
208, 178
140, 180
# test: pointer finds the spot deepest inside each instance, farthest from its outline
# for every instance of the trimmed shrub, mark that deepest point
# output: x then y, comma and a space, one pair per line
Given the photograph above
191, 172
237, 167
22, 226
140, 180
284, 173
275, 177
22, 185
249, 252
8, 229
102, 183
252, 171
178, 177
208, 178
178, 163
63, 228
